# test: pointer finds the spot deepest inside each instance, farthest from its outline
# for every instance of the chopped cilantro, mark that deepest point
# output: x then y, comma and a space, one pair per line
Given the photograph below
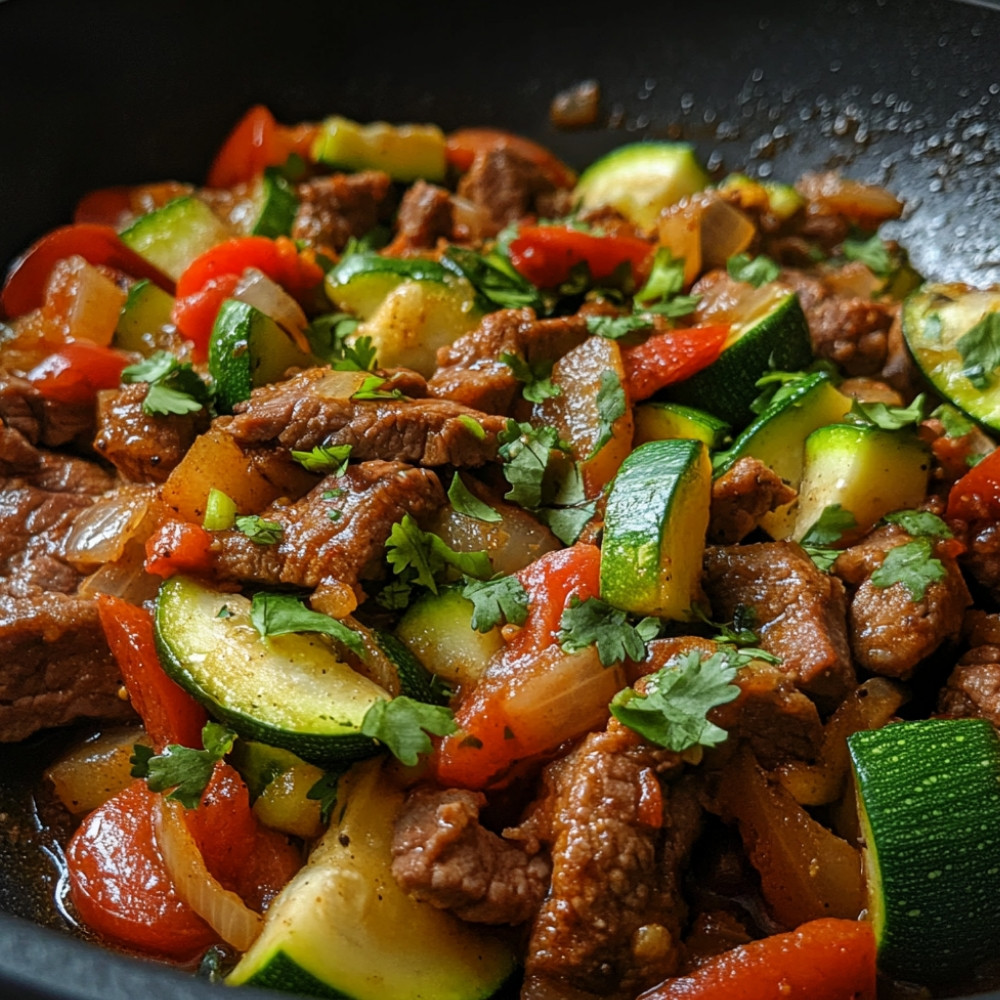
473, 426
526, 453
279, 614
872, 252
422, 555
465, 502
325, 459
890, 418
673, 709
980, 350
913, 565
174, 386
595, 622
493, 277
259, 530
755, 271
666, 278
616, 327
825, 532
330, 336
537, 384
502, 598
402, 725
395, 595
611, 406
955, 423
325, 789
919, 523
185, 770
371, 388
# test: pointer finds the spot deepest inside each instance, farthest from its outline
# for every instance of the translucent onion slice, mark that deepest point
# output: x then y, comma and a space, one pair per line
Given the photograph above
258, 290
220, 908
100, 533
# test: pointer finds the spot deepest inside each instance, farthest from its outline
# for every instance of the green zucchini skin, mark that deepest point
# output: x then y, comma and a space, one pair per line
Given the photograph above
929, 802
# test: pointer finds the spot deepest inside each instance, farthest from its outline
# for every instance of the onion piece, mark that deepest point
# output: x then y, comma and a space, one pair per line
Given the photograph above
258, 290
101, 532
220, 908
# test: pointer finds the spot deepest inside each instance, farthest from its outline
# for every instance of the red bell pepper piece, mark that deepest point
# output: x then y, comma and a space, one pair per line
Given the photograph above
546, 255
169, 714
463, 145
194, 315
24, 289
976, 495
179, 547
824, 959
668, 357
77, 371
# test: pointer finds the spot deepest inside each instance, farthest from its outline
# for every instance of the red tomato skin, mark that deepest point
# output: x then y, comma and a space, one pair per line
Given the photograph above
669, 357
179, 547
976, 496
825, 959
78, 371
546, 255
169, 714
119, 885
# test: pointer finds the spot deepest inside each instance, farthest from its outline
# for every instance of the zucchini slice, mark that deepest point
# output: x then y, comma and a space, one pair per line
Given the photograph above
953, 333
929, 802
145, 320
640, 179
289, 691
656, 420
343, 927
654, 529
275, 204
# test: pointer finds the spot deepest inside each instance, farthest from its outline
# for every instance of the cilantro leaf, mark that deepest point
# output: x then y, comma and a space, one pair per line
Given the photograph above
890, 418
330, 336
325, 459
673, 710
919, 523
500, 599
493, 277
955, 423
325, 790
740, 633
567, 523
913, 565
616, 327
537, 384
395, 595
279, 614
666, 278
259, 530
755, 271
425, 554
595, 622
611, 406
465, 502
174, 386
371, 388
185, 770
526, 453
402, 725
979, 347
473, 426
871, 252
821, 536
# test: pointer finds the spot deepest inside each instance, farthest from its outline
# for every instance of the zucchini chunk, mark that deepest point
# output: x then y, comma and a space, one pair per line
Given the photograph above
656, 420
144, 322
343, 927
929, 801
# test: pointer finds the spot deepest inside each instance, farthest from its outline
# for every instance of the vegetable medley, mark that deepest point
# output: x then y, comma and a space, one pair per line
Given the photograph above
476, 577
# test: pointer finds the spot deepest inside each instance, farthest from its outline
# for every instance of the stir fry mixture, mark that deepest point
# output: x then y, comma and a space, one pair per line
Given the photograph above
528, 582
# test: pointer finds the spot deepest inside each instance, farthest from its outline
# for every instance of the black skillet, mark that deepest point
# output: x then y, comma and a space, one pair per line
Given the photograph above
901, 92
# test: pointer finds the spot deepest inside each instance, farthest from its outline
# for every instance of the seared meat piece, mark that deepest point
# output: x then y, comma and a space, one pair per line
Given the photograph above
441, 854
295, 414
611, 923
424, 217
41, 420
144, 447
801, 612
470, 370
336, 207
973, 688
890, 632
741, 496
982, 559
56, 666
506, 185
336, 531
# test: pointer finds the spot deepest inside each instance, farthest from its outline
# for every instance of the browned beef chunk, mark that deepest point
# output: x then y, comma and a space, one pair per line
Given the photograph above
507, 186
336, 207
143, 447
441, 854
296, 415
470, 371
336, 532
40, 420
801, 612
619, 834
55, 666
890, 632
982, 559
741, 497
424, 217
973, 688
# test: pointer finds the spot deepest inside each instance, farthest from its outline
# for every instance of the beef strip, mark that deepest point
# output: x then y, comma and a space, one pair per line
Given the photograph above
890, 632
56, 665
741, 497
335, 207
507, 186
441, 854
41, 420
316, 548
295, 414
470, 371
143, 447
424, 217
619, 834
801, 612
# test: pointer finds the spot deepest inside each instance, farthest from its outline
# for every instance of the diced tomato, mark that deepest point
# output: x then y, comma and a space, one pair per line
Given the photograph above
257, 141
169, 714
489, 739
77, 371
179, 547
825, 959
24, 289
119, 884
546, 255
463, 145
976, 496
669, 357
194, 315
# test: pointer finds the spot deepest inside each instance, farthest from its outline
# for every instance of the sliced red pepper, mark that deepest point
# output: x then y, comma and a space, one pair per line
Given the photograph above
825, 959
169, 714
463, 145
671, 356
194, 315
179, 547
77, 371
976, 496
24, 289
546, 255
